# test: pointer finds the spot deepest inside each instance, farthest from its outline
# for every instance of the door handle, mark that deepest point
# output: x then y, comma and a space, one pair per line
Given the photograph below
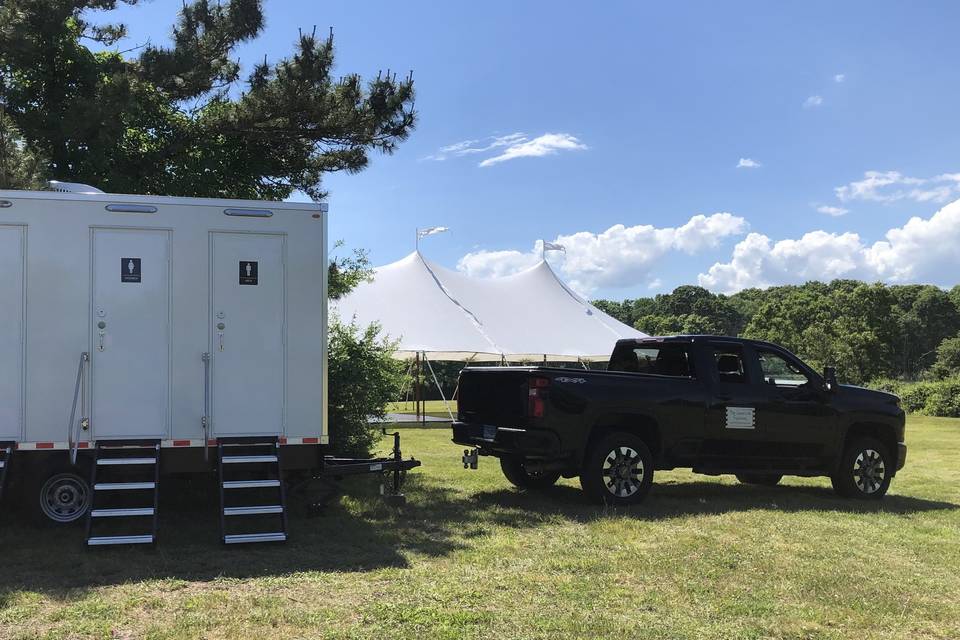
102, 327
220, 328
220, 334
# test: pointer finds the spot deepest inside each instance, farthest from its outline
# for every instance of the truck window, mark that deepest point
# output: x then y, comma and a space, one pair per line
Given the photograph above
729, 361
779, 371
660, 359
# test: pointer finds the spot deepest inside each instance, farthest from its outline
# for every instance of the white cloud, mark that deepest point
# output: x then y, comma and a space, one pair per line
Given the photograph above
891, 186
839, 78
922, 250
832, 211
545, 145
618, 257
509, 147
813, 102
748, 163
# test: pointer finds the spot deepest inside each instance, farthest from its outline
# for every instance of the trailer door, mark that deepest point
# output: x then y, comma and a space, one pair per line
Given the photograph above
130, 333
248, 333
12, 253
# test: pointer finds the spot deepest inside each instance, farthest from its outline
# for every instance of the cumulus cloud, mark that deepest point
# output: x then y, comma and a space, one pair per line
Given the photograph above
891, 186
922, 250
812, 102
832, 211
748, 163
839, 78
509, 147
618, 257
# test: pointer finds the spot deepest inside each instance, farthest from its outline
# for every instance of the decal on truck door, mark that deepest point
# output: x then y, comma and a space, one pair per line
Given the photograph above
248, 272
130, 270
740, 418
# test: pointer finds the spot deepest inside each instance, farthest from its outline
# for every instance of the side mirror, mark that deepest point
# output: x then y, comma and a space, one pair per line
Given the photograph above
830, 378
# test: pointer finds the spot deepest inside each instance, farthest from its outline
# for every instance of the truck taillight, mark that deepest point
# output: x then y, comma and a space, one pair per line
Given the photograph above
536, 397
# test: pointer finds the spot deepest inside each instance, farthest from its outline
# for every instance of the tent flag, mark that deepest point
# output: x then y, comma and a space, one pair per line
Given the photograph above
430, 231
553, 246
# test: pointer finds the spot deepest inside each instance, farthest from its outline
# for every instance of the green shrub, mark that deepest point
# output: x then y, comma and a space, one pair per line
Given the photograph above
363, 378
889, 385
944, 399
913, 397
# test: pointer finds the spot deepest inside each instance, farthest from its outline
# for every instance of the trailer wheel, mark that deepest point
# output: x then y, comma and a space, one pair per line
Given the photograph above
61, 498
763, 479
618, 470
515, 471
865, 471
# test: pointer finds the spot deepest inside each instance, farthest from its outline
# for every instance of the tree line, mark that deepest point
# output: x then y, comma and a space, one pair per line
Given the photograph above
869, 331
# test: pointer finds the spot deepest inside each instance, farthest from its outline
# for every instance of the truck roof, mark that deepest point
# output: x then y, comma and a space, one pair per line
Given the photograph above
700, 338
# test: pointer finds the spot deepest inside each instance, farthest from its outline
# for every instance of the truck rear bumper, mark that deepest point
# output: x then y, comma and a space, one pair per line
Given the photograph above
531, 443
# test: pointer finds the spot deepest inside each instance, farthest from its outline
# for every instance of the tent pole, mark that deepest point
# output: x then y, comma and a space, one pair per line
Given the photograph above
416, 386
437, 382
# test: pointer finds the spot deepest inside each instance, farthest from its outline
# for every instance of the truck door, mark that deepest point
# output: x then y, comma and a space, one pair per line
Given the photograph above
130, 362
12, 249
796, 410
733, 430
248, 333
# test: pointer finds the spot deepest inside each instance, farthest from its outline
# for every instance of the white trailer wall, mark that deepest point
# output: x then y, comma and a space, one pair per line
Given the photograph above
58, 234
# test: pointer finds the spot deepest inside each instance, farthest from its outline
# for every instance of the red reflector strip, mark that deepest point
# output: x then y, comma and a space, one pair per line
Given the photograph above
44, 445
181, 443
311, 440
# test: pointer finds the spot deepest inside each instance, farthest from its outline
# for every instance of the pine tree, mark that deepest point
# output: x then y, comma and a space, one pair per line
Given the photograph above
178, 119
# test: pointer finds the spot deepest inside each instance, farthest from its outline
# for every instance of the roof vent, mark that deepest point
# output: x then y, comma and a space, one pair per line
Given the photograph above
72, 187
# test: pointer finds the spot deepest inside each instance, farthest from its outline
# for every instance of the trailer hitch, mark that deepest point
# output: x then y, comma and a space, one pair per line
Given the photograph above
471, 458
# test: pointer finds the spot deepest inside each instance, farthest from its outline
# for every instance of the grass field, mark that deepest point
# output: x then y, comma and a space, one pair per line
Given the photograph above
472, 558
433, 408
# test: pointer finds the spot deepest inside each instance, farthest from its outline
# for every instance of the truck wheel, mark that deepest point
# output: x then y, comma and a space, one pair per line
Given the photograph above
865, 470
763, 479
59, 499
515, 471
618, 470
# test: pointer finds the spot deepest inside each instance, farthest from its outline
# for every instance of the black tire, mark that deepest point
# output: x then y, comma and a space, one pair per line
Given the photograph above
762, 479
516, 472
618, 470
865, 471
61, 498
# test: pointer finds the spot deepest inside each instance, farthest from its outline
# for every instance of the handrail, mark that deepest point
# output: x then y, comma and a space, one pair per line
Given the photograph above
79, 393
205, 421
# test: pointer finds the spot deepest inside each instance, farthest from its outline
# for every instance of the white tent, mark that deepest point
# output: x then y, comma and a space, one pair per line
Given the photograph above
447, 315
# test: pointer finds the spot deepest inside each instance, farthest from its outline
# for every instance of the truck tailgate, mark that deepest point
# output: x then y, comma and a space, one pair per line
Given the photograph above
496, 397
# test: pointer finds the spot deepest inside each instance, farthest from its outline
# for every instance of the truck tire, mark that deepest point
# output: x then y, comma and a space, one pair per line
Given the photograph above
763, 479
515, 471
618, 470
865, 470
61, 498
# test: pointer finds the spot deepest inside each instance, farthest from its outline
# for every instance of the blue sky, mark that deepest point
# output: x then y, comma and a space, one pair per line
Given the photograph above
651, 107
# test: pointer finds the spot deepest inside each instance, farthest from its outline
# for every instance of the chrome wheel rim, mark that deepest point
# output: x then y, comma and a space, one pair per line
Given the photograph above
64, 498
869, 471
623, 472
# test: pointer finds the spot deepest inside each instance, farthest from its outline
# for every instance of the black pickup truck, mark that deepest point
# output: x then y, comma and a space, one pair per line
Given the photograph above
714, 404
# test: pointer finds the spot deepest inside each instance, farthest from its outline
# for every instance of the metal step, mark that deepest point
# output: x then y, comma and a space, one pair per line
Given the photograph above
247, 459
108, 540
250, 484
253, 511
123, 486
107, 462
122, 513
3, 463
242, 538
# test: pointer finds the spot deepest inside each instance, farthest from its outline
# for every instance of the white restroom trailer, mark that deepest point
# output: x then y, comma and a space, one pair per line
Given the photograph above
143, 334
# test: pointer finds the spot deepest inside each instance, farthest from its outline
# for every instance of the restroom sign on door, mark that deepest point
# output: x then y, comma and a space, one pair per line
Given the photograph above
130, 270
248, 272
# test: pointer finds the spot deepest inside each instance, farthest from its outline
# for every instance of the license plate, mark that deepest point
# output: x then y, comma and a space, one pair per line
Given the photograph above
489, 432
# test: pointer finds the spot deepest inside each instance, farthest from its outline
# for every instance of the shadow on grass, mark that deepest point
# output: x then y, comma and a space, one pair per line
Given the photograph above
362, 534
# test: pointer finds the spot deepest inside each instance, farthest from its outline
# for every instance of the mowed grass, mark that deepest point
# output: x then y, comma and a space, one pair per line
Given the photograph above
470, 557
